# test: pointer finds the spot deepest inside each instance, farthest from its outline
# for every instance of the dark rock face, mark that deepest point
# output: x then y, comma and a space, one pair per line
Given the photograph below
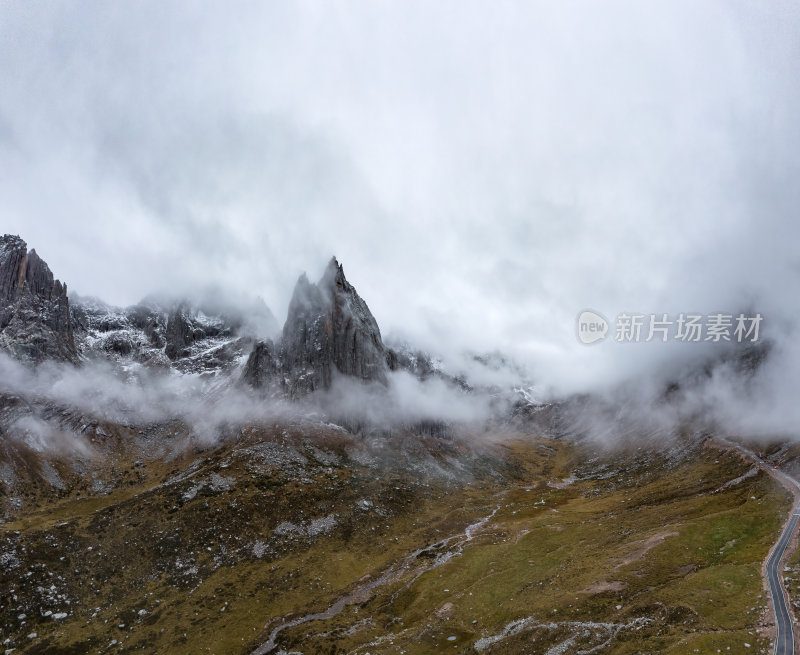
148, 321
262, 370
35, 321
180, 334
185, 327
416, 362
329, 331
135, 332
156, 334
306, 348
357, 347
13, 253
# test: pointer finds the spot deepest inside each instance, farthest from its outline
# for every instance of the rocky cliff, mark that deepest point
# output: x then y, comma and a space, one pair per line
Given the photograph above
38, 323
35, 319
263, 368
167, 333
329, 331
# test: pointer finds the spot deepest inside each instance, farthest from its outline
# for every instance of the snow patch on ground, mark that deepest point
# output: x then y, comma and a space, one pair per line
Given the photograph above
599, 634
732, 483
52, 476
221, 483
314, 528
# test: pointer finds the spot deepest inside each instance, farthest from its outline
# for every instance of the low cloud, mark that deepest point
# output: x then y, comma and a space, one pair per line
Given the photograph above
484, 174
209, 406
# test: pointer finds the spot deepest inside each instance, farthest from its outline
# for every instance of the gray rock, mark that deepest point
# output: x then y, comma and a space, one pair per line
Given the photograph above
306, 353
418, 363
329, 330
149, 322
180, 334
358, 349
35, 320
262, 369
164, 333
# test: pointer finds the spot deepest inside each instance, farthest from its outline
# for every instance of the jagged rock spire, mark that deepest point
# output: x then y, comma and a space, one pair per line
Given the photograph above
329, 331
35, 322
13, 262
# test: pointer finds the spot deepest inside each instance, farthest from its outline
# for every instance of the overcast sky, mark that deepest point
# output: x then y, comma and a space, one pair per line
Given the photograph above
484, 171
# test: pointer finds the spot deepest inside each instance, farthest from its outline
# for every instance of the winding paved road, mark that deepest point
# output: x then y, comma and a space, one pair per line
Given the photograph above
784, 635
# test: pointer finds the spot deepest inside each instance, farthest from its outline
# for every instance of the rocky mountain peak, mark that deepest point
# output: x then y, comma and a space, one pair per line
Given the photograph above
13, 256
329, 331
333, 277
307, 299
35, 322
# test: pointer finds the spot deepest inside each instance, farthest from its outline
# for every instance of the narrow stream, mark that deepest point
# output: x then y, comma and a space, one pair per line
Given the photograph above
455, 543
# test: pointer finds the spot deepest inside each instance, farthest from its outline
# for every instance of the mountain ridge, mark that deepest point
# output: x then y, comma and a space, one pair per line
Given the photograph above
329, 335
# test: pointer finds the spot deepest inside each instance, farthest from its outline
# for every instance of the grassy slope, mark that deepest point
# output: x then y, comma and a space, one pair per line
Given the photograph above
180, 573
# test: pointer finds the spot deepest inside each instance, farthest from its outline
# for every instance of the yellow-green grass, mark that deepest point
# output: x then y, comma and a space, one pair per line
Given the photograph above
654, 542
702, 580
